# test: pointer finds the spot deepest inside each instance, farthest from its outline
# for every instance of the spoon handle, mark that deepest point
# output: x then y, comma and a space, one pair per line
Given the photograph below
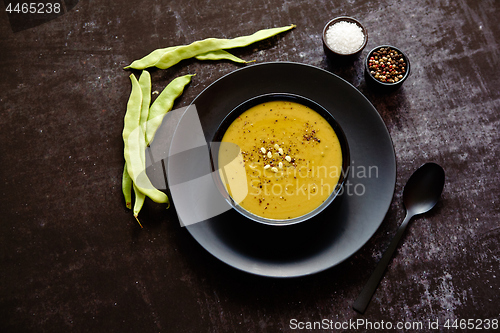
366, 294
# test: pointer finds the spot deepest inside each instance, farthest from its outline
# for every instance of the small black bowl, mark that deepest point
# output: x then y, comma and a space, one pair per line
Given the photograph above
330, 52
236, 112
386, 86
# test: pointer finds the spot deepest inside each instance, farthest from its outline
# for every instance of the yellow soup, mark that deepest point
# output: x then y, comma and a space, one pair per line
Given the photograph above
291, 156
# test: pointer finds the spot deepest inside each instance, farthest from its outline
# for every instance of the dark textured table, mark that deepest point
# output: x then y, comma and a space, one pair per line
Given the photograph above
73, 259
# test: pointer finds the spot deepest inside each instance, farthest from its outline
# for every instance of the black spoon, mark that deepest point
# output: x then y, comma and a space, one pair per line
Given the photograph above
421, 193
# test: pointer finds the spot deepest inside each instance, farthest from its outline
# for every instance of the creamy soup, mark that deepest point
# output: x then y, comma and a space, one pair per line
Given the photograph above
291, 156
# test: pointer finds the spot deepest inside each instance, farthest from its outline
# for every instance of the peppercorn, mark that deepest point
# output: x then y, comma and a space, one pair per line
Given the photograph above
387, 65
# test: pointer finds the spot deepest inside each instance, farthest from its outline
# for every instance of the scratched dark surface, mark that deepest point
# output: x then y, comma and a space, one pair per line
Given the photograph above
73, 259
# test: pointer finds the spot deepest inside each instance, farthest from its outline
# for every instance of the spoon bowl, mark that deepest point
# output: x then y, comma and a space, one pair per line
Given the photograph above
423, 189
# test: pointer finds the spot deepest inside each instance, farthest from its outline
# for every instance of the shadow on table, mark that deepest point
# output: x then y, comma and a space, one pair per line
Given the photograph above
391, 105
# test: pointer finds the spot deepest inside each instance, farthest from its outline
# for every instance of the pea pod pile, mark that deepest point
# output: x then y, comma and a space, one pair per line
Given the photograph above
140, 124
142, 120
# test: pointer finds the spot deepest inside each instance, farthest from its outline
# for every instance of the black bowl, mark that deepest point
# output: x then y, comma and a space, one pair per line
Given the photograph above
330, 52
386, 86
236, 112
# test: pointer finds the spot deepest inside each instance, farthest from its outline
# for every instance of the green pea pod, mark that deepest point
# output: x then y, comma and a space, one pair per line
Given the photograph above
172, 57
151, 58
139, 202
127, 187
156, 55
167, 57
134, 141
163, 104
221, 55
145, 84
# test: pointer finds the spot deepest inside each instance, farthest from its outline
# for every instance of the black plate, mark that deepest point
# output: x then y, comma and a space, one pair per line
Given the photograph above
342, 228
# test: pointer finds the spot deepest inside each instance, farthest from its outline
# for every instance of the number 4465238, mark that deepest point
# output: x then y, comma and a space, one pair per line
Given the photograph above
34, 8
477, 324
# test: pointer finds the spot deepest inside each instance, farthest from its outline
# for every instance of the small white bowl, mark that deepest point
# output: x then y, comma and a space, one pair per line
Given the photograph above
330, 52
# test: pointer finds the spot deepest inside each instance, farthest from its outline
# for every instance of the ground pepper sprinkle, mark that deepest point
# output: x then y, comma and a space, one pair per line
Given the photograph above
387, 65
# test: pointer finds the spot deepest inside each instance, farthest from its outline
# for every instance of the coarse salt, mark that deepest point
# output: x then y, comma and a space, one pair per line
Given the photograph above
345, 37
